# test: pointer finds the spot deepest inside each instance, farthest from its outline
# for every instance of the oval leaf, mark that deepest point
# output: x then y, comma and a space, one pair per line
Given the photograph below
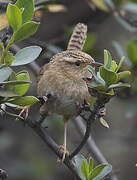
104, 122
113, 66
14, 16
5, 73
107, 59
119, 85
26, 55
28, 6
124, 74
25, 31
101, 171
54, 8
108, 76
85, 168
21, 89
77, 163
25, 101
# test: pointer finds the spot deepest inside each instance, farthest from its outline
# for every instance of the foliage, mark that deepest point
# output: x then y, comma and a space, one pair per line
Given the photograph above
14, 86
107, 79
87, 171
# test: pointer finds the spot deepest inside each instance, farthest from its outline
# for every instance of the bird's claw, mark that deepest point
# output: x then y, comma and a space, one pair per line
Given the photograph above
65, 153
24, 111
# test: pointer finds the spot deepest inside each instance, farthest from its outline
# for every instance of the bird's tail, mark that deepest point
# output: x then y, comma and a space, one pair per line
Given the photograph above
78, 37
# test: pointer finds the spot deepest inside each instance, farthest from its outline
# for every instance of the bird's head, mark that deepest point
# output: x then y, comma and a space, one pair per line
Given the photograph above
74, 63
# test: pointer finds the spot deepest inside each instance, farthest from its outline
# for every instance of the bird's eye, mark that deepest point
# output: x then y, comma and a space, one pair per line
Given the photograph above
77, 63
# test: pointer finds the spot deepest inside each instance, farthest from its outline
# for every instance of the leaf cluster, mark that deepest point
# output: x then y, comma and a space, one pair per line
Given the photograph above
14, 86
108, 78
87, 171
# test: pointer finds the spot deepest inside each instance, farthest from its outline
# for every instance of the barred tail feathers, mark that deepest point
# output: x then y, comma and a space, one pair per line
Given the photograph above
78, 37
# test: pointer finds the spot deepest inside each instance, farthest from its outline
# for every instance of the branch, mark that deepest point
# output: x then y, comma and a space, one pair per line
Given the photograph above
52, 145
100, 103
85, 138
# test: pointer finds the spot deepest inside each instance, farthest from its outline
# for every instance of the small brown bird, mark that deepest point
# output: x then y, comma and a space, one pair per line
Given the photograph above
62, 82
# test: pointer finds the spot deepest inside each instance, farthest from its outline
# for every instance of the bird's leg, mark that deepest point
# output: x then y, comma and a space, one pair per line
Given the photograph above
64, 146
65, 141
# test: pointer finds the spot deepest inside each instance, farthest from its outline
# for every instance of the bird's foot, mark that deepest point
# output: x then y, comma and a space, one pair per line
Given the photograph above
65, 153
24, 111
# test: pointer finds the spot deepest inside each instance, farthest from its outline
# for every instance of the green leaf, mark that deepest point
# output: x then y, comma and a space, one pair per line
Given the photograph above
85, 169
21, 89
26, 55
110, 92
5, 73
14, 16
104, 122
113, 66
124, 74
77, 163
5, 93
107, 59
108, 76
96, 85
119, 85
26, 30
97, 77
132, 51
91, 164
101, 171
28, 9
9, 58
120, 63
25, 101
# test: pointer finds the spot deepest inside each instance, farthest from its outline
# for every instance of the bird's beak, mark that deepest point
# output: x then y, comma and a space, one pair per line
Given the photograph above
96, 64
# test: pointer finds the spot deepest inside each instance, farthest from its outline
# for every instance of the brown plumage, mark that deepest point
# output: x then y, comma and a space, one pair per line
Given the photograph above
63, 79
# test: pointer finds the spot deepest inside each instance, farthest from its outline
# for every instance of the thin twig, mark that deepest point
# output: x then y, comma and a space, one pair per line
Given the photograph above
85, 138
100, 103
